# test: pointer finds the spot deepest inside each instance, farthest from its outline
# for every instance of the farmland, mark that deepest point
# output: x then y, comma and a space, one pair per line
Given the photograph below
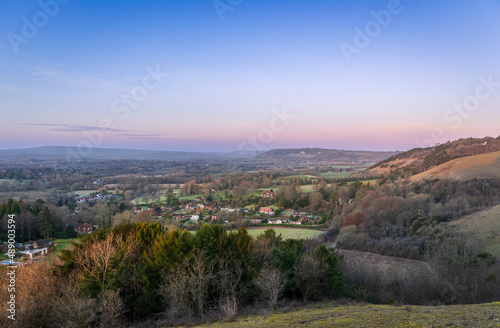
288, 233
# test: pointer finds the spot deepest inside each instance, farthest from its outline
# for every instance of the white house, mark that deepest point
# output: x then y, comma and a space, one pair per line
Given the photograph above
35, 252
195, 218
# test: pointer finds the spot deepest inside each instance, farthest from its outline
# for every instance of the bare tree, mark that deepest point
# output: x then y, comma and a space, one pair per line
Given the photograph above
228, 279
96, 261
312, 276
111, 309
270, 283
185, 292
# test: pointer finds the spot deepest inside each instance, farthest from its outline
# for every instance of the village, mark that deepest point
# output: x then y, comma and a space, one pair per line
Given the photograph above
189, 215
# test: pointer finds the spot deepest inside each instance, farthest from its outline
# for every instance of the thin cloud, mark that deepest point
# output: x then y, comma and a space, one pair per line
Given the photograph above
76, 128
156, 136
81, 81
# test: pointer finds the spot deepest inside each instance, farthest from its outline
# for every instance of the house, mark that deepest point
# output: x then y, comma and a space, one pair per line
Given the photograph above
86, 228
229, 209
166, 208
195, 218
267, 210
44, 243
139, 209
191, 207
37, 249
299, 213
35, 253
99, 181
274, 221
79, 199
298, 222
256, 220
178, 217
267, 194
208, 207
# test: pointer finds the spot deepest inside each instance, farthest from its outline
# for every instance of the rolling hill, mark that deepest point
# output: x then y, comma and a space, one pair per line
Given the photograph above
73, 153
277, 155
465, 168
325, 155
419, 160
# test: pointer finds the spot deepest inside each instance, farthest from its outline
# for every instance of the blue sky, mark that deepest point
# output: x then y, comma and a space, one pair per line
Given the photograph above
223, 81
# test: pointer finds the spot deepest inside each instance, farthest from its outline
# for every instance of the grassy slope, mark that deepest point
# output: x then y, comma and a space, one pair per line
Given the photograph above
465, 168
485, 226
387, 265
422, 159
480, 315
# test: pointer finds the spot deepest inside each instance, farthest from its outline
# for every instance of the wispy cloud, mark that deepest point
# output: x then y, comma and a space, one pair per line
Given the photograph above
76, 128
156, 136
82, 81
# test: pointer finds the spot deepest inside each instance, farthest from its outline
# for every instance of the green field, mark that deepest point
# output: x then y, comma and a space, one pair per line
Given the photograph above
289, 233
307, 188
162, 199
302, 176
372, 181
335, 175
286, 233
64, 244
84, 193
372, 316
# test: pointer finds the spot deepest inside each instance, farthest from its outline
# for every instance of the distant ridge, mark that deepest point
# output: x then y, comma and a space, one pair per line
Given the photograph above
74, 153
327, 155
287, 155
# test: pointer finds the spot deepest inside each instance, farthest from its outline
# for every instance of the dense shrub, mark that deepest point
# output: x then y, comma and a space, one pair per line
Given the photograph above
136, 270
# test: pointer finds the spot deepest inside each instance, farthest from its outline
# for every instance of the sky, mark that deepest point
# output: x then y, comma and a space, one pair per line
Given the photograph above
234, 75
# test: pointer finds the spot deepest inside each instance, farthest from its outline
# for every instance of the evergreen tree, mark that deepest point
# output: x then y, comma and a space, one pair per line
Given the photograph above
71, 231
36, 210
16, 209
3, 210
46, 223
8, 206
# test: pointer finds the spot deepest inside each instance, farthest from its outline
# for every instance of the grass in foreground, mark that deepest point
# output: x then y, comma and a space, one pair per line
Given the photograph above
369, 315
